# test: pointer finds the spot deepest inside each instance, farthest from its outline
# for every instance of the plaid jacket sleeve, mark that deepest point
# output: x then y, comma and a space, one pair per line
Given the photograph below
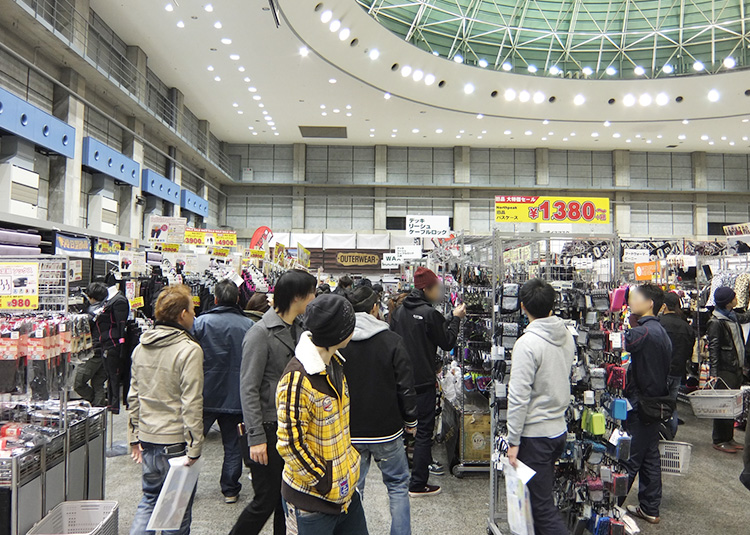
294, 406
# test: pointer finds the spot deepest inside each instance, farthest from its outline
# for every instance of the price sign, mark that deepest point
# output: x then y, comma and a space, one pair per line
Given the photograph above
218, 252
137, 302
646, 271
219, 238
254, 253
19, 286
19, 303
303, 255
170, 248
196, 300
166, 229
535, 209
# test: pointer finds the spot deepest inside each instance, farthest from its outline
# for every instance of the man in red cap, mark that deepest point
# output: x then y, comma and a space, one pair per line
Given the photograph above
424, 329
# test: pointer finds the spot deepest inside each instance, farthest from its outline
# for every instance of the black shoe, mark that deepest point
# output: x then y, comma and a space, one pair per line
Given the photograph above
437, 469
428, 490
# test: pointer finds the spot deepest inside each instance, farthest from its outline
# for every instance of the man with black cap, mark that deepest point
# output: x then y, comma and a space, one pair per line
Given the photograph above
322, 467
378, 370
424, 329
726, 353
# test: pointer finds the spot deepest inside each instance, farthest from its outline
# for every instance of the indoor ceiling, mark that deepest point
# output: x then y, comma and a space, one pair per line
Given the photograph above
576, 38
257, 83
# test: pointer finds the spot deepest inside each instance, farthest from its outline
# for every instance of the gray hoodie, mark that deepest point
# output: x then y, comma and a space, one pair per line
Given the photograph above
539, 391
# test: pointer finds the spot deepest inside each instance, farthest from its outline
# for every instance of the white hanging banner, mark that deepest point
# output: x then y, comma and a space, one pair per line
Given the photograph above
428, 226
373, 241
339, 241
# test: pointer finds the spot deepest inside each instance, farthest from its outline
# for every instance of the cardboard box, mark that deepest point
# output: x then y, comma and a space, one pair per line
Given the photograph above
476, 438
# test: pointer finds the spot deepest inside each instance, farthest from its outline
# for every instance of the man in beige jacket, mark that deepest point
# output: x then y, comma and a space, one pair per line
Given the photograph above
166, 400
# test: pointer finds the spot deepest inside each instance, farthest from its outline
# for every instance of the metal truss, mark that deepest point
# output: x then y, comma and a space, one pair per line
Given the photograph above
577, 38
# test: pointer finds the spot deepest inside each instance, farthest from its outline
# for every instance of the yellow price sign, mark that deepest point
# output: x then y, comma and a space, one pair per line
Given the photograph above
137, 302
196, 300
220, 238
255, 253
553, 209
170, 248
19, 302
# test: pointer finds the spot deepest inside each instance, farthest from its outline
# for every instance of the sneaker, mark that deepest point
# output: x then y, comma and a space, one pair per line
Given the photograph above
726, 447
736, 445
229, 500
437, 469
636, 511
428, 490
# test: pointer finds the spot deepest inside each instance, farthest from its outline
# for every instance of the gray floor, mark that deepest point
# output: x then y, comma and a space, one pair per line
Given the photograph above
710, 500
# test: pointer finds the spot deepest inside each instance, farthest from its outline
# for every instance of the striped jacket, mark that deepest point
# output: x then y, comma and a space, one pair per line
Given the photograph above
321, 468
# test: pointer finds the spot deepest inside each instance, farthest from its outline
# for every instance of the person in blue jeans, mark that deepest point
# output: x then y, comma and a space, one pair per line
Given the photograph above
166, 401
383, 402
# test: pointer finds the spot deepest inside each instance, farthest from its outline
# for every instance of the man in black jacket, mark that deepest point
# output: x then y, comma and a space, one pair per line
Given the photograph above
110, 320
424, 329
683, 340
383, 402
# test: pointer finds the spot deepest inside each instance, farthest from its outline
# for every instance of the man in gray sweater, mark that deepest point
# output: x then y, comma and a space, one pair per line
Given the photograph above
538, 396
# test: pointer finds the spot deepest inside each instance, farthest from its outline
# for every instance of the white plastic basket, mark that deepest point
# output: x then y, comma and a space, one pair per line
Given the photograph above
717, 404
80, 518
675, 457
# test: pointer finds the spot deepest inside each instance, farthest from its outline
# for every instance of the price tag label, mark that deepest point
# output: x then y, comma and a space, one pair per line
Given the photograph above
137, 302
19, 303
170, 248
196, 300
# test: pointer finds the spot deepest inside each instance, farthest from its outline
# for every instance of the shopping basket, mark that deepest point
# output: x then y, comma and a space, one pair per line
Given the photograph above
718, 404
675, 457
79, 518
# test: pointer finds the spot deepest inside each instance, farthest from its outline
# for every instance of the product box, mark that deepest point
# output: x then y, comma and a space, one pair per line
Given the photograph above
477, 437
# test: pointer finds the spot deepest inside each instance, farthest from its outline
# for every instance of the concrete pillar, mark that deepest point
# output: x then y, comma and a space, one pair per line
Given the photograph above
138, 58
700, 216
699, 165
130, 212
542, 167
78, 28
222, 208
204, 129
461, 165
462, 210
298, 208
299, 166
621, 159
381, 209
622, 214
102, 207
178, 103
65, 174
381, 165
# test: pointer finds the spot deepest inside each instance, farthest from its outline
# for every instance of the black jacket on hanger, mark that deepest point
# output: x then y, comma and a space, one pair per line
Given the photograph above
683, 339
111, 321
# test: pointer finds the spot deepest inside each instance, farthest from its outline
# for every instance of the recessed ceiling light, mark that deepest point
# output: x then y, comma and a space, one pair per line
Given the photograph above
332, 80
180, 24
723, 138
372, 129
458, 58
264, 112
698, 66
607, 123
344, 34
731, 143
710, 142
662, 99
538, 97
271, 123
217, 78
704, 137
507, 132
550, 133
645, 99
659, 136
261, 105
628, 100
275, 133
393, 135
480, 116
572, 134
638, 136
169, 7
386, 96
554, 70
247, 78
234, 57
429, 79
349, 114
714, 95
730, 62
268, 118
685, 121
588, 71
335, 25
545, 121
510, 94
217, 25
745, 120
405, 71
462, 131
458, 136
682, 136
627, 140
240, 112
417, 75
565, 139
394, 130
322, 106
611, 71
250, 128
469, 88
479, 137
594, 134
304, 51
507, 66
648, 141
579, 99
639, 71
256, 97
372, 135
324, 113
744, 138
210, 68
209, 8
484, 131
531, 68
235, 105
528, 133
668, 69
616, 135
374, 54
483, 63
252, 89
226, 41
415, 130
435, 53
544, 139
336, 110
241, 68
326, 16
255, 133
524, 96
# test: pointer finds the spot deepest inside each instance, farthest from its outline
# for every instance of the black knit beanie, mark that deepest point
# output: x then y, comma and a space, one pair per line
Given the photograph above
330, 318
363, 299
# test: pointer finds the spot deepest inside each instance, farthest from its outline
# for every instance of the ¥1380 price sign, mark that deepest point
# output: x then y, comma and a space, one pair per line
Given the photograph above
536, 209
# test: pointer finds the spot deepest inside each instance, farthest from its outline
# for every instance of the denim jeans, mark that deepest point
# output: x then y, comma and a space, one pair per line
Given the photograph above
306, 523
644, 462
231, 469
155, 468
673, 382
394, 466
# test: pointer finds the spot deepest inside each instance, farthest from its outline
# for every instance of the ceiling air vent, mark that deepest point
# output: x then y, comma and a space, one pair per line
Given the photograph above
671, 146
334, 132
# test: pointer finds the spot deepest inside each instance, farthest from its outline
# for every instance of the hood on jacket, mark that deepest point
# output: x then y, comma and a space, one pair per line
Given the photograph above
551, 329
163, 336
415, 299
367, 326
309, 355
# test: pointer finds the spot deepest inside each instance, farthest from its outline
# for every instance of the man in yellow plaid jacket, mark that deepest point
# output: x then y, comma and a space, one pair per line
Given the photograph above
321, 469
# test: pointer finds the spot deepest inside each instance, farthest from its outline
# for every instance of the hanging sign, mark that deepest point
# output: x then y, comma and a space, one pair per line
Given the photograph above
535, 209
219, 238
279, 253
218, 252
646, 271
72, 246
254, 253
261, 236
19, 286
428, 226
409, 252
166, 229
358, 259
75, 271
107, 246
737, 230
137, 302
131, 261
636, 256
390, 261
303, 255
